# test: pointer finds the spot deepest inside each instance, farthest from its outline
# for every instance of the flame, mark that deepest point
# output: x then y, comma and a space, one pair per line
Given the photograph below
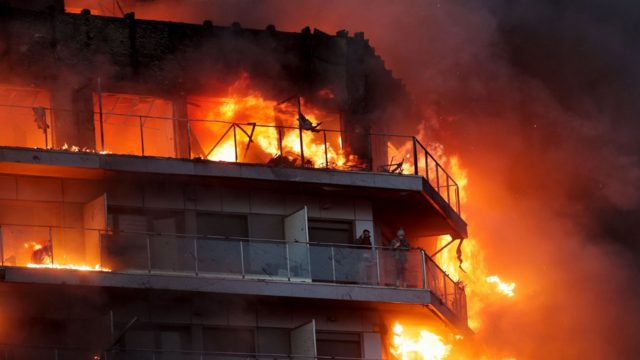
74, 148
428, 346
244, 107
46, 260
74, 267
476, 275
504, 288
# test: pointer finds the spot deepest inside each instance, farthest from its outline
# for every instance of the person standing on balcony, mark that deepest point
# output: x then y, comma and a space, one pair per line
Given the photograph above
364, 256
364, 239
400, 245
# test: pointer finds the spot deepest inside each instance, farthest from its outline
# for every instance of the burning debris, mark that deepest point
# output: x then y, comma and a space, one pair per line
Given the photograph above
42, 254
304, 123
40, 118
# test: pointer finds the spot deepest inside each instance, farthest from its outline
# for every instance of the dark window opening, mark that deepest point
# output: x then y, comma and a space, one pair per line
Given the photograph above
234, 340
222, 225
338, 344
161, 337
334, 232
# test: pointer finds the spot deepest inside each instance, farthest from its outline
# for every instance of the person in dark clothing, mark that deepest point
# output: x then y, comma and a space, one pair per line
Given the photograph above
400, 245
364, 238
365, 257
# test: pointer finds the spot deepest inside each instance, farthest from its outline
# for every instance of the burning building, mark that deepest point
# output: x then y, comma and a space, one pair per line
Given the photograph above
194, 191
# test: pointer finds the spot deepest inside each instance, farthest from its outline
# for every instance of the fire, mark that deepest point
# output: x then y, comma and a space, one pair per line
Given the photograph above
428, 346
475, 275
74, 148
504, 288
243, 128
73, 267
42, 258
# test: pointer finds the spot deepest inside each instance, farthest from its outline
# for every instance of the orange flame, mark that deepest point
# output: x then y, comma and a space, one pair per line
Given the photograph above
428, 346
46, 261
505, 288
244, 107
476, 275
73, 267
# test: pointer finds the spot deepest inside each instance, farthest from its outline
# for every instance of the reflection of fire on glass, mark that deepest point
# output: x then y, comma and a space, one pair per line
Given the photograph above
41, 254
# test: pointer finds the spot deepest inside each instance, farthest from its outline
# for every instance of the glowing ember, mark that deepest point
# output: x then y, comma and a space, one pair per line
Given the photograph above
504, 288
427, 347
74, 148
73, 267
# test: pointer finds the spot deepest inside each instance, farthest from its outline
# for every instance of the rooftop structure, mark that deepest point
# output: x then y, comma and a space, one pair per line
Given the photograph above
193, 191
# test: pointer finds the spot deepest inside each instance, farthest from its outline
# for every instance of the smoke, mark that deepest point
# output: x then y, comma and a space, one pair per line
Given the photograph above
538, 99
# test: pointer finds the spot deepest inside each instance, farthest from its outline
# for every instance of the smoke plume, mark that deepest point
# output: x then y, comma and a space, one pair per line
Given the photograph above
538, 98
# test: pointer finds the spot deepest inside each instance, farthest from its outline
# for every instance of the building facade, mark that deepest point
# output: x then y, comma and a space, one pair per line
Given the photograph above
173, 191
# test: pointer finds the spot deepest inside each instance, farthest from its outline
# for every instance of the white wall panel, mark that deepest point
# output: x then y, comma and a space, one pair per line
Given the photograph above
372, 346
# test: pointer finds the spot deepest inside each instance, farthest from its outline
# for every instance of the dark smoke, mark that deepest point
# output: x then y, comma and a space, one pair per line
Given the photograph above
539, 99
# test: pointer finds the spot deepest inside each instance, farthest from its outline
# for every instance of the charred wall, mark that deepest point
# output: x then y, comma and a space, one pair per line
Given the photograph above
66, 53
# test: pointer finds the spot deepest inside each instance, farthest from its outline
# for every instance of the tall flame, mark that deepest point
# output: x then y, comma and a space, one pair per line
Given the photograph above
428, 346
475, 274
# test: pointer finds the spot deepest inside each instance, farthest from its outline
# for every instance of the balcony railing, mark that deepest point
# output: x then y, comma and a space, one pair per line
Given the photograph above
47, 352
230, 257
151, 354
53, 352
237, 142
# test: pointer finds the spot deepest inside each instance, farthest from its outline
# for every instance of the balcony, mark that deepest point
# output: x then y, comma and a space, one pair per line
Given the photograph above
243, 265
155, 133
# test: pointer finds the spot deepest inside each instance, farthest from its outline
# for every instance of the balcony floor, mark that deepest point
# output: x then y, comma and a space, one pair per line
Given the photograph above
415, 299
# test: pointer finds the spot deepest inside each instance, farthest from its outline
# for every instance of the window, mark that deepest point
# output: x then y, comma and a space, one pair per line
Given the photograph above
274, 341
235, 340
129, 250
221, 256
17, 117
161, 337
222, 225
130, 120
327, 231
338, 344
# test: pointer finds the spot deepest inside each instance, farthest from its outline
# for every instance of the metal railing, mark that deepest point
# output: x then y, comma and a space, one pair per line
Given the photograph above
153, 354
47, 352
230, 257
54, 352
293, 147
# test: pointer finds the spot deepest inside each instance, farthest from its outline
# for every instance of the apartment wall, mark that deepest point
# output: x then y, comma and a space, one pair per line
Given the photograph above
258, 204
269, 322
